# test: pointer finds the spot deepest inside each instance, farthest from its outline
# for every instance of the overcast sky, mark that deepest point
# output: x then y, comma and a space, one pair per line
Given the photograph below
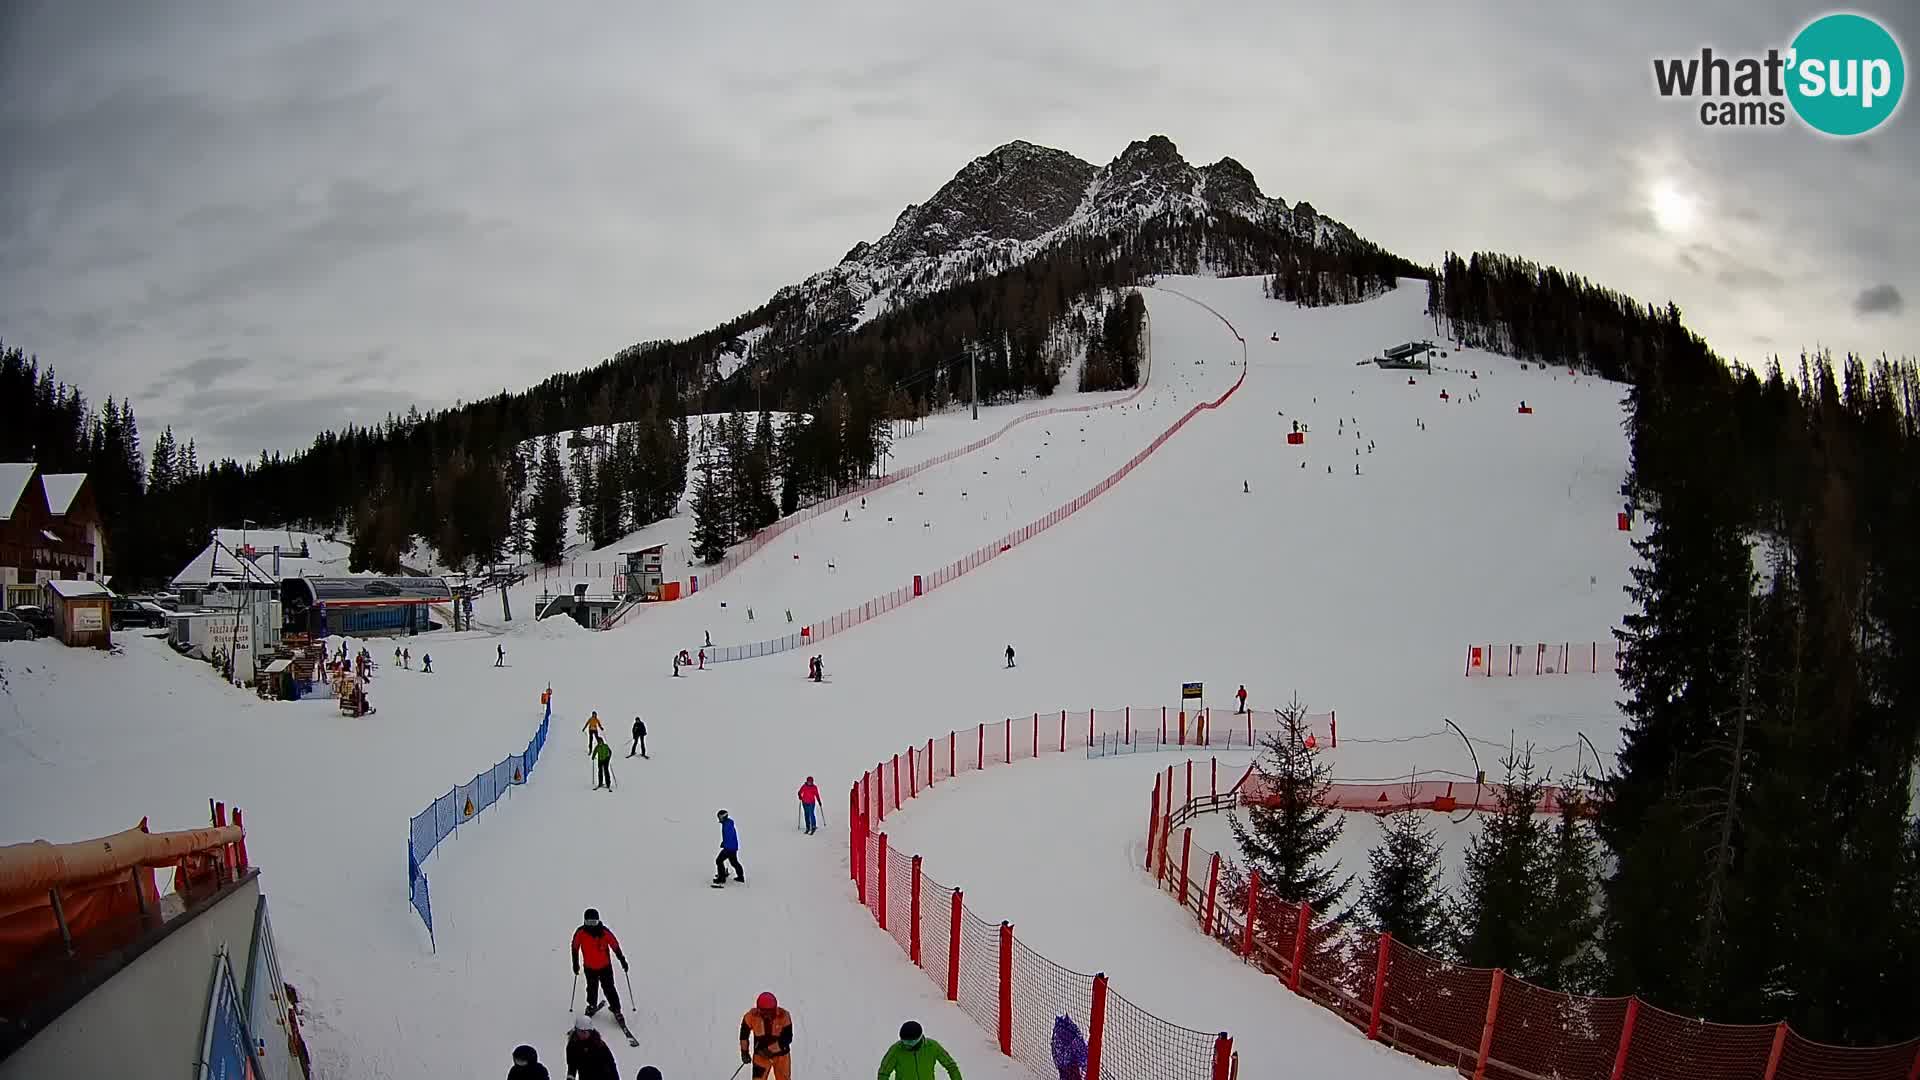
261, 220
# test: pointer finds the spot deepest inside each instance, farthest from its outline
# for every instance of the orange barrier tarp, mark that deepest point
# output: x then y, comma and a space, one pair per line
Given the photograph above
33, 868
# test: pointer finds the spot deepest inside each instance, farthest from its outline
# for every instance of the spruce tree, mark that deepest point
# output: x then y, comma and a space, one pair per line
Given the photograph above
1569, 918
586, 486
1288, 830
1498, 917
550, 501
710, 516
1403, 894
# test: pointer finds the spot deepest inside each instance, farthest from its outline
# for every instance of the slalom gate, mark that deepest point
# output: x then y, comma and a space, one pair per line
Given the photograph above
1480, 1021
460, 805
1544, 658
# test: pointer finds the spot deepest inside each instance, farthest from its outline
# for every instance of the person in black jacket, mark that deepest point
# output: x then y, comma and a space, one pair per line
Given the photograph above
588, 1057
639, 739
526, 1065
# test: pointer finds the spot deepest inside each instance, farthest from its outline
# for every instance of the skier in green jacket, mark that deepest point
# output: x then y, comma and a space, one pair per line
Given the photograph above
913, 1057
603, 756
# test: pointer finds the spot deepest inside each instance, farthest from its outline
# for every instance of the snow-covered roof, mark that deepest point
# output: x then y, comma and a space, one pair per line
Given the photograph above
14, 478
74, 590
219, 563
60, 489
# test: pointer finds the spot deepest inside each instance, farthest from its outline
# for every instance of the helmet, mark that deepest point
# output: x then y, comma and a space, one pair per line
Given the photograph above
591, 915
647, 1072
910, 1031
809, 779
581, 1023
721, 814
525, 1055
766, 1001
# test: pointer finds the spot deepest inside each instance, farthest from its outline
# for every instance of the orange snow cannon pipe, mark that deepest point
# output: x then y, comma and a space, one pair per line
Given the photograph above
30, 869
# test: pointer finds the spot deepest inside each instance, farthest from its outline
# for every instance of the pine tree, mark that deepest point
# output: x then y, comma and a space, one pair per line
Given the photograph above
586, 485
1569, 918
1403, 894
710, 516
1498, 919
609, 502
550, 501
1287, 832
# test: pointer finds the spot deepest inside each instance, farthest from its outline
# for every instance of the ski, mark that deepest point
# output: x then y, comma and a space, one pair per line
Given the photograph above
624, 1030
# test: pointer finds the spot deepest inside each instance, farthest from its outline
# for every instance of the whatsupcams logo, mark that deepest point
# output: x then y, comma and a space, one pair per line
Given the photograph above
1842, 75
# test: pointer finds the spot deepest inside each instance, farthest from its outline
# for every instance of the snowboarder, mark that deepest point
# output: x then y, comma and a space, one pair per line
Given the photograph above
914, 1056
766, 1039
709, 634
593, 941
1241, 697
593, 728
499, 656
426, 663
639, 739
1069, 1048
526, 1064
588, 1055
1009, 656
603, 761
809, 798
729, 853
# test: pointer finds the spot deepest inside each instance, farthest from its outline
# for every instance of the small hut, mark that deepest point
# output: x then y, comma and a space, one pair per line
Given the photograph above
82, 613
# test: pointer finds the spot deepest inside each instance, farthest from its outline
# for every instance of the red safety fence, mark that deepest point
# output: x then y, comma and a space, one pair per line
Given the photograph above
1480, 1021
1012, 992
1544, 658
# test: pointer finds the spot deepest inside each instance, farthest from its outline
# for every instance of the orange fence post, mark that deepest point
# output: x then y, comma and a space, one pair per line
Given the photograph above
1186, 852
1626, 1040
913, 929
913, 775
1486, 1033
1153, 820
1379, 985
1773, 1056
1213, 890
1222, 1056
1300, 945
1089, 729
1253, 910
881, 914
1006, 988
953, 949
1097, 1026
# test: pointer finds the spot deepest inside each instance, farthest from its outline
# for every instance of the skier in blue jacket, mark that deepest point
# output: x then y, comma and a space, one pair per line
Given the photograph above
729, 853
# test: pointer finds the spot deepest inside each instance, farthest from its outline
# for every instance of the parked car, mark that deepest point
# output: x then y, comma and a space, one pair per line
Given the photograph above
14, 628
37, 617
129, 612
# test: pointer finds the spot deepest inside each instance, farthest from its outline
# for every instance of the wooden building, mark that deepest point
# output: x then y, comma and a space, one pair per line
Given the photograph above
82, 613
49, 529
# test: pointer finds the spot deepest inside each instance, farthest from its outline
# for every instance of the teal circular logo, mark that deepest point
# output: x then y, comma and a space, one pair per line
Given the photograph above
1847, 74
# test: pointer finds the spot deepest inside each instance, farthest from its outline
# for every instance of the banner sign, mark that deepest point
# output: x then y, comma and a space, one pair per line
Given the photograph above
1190, 691
226, 1051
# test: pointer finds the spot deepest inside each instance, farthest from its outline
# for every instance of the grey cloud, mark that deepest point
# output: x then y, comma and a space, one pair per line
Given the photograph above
1879, 300
199, 374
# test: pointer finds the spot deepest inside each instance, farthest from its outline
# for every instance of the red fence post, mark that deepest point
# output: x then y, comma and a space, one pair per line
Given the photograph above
1186, 853
1163, 725
913, 775
1128, 728
1182, 731
980, 751
1379, 985
913, 931
1213, 785
1063, 731
1089, 729
240, 845
953, 949
1189, 801
896, 781
1222, 1056
879, 775
855, 862
1773, 1056
1626, 1040
1036, 734
1007, 732
1253, 911
882, 913
1097, 1026
1213, 890
1153, 820
1914, 1073
1486, 1033
1300, 945
1006, 988
1333, 727
928, 758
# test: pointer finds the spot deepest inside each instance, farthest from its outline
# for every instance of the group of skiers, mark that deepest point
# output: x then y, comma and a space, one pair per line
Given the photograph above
684, 659
602, 754
816, 669
404, 658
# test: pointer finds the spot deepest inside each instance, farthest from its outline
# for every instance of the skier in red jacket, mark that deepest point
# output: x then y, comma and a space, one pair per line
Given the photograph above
809, 799
594, 941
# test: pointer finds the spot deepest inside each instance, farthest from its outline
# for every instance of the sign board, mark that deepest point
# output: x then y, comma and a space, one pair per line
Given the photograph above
225, 1049
88, 618
1190, 691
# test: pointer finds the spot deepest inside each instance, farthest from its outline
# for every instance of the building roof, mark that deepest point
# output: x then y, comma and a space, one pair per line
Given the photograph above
76, 590
60, 489
219, 563
14, 478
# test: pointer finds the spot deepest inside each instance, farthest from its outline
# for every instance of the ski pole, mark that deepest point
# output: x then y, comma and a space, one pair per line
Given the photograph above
624, 970
575, 990
736, 1072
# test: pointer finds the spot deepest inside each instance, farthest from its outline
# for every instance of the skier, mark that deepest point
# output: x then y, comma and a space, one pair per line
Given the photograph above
588, 1055
396, 657
406, 659
603, 759
914, 1056
709, 634
639, 739
1069, 1048
1009, 656
593, 728
729, 853
1242, 698
499, 656
703, 660
1245, 488
766, 1039
676, 665
426, 662
594, 941
809, 798
526, 1064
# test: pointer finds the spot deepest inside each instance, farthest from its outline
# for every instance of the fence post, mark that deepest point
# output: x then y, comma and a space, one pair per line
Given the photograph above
1300, 945
953, 948
896, 781
1379, 985
1182, 733
1779, 1044
1333, 727
1166, 830
1213, 889
1128, 727
1036, 735
980, 751
1213, 785
913, 930
880, 777
1626, 1040
1006, 988
1163, 725
1222, 1056
1912, 1074
882, 912
1486, 1033
928, 758
856, 862
1189, 801
951, 736
1007, 736
1097, 1026
913, 774
1186, 852
1253, 911
1063, 731
1153, 820
1089, 729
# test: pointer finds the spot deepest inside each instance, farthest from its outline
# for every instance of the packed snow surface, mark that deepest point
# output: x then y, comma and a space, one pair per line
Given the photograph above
1467, 522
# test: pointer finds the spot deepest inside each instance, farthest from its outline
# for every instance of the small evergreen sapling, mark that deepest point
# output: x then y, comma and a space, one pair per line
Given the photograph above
1403, 894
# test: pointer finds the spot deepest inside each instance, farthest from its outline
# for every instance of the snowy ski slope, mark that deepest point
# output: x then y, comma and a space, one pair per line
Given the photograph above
1360, 592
